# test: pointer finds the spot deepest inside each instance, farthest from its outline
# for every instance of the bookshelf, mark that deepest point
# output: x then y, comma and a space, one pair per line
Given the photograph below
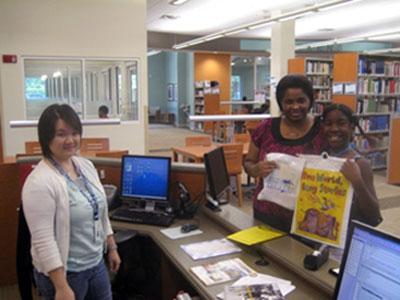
370, 85
206, 102
319, 72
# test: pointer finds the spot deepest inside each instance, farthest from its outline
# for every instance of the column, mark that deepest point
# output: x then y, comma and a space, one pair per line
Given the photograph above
282, 48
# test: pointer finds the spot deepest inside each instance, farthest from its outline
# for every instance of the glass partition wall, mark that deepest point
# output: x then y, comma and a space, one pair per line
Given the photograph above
250, 77
85, 84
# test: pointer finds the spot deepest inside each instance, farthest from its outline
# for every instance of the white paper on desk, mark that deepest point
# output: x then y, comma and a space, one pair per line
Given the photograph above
175, 233
284, 285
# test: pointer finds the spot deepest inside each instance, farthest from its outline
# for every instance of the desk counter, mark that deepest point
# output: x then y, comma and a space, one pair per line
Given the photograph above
284, 254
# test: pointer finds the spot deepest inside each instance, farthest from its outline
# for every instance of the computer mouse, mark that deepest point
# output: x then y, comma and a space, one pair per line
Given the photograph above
189, 227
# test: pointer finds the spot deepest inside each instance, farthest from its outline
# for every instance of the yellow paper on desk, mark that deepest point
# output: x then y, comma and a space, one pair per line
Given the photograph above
255, 235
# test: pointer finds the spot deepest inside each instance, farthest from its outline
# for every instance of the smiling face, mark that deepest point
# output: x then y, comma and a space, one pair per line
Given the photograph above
66, 141
338, 130
295, 104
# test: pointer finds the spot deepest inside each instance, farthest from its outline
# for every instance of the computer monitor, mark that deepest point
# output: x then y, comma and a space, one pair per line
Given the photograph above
217, 176
145, 180
370, 267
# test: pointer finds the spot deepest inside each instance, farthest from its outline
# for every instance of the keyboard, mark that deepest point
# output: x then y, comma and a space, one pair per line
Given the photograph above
142, 217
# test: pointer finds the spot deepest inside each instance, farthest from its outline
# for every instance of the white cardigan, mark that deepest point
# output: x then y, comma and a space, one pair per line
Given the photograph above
46, 208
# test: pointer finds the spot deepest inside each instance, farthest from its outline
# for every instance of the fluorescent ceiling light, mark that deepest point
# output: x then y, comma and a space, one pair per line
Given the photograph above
43, 77
260, 23
57, 74
153, 52
380, 51
371, 36
385, 37
296, 16
177, 2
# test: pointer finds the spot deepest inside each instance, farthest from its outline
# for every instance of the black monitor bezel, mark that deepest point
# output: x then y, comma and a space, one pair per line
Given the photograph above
353, 225
126, 199
210, 180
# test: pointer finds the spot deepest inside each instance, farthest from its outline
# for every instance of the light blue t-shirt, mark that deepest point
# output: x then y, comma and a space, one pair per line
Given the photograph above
85, 250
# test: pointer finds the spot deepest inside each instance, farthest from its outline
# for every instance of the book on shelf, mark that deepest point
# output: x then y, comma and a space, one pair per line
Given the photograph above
210, 248
254, 292
222, 271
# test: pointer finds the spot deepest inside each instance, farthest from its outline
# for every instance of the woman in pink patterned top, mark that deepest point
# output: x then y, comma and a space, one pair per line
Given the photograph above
296, 131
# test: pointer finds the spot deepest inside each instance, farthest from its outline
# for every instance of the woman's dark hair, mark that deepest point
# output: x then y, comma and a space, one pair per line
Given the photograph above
48, 120
296, 81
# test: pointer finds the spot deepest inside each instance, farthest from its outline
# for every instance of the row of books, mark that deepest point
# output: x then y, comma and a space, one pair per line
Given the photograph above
318, 108
319, 67
322, 94
320, 80
378, 66
363, 144
377, 159
378, 86
375, 123
372, 105
206, 84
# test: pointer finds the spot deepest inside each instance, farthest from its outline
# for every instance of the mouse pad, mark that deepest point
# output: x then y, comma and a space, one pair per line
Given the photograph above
175, 232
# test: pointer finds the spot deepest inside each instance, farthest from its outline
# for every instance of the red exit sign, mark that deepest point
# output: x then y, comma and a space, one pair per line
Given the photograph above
9, 59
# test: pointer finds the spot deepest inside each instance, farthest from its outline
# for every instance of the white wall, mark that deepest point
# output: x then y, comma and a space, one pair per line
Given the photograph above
74, 28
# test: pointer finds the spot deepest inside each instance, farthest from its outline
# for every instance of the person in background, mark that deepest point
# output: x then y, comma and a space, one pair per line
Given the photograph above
66, 211
103, 112
296, 131
339, 124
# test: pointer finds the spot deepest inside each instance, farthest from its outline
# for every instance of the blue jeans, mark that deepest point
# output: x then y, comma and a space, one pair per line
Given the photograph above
91, 284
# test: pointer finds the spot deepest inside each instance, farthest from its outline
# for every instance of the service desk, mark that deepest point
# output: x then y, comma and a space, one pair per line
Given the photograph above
284, 254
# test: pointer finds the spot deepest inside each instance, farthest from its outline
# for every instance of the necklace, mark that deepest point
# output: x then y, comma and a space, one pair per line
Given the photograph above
296, 130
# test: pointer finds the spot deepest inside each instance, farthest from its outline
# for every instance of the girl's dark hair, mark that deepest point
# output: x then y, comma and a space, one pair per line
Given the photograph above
296, 81
353, 119
343, 109
48, 120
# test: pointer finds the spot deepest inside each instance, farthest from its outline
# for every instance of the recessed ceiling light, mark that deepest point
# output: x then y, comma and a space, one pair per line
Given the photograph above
169, 17
177, 2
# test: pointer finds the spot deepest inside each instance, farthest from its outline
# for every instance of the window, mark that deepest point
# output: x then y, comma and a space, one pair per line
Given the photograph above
49, 81
235, 87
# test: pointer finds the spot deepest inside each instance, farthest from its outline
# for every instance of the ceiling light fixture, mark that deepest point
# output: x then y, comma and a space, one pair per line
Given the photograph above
43, 77
381, 51
357, 38
177, 2
57, 74
264, 22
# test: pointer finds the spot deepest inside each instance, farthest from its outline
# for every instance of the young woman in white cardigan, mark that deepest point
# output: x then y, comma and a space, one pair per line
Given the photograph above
66, 210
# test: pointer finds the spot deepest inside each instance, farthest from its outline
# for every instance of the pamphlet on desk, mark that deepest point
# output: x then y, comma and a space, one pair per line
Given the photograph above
285, 286
254, 292
210, 248
222, 271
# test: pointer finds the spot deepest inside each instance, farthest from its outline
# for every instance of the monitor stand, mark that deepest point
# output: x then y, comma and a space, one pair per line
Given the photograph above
212, 203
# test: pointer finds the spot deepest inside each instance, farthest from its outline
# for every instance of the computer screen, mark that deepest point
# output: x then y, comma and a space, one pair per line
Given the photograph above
217, 173
371, 265
145, 178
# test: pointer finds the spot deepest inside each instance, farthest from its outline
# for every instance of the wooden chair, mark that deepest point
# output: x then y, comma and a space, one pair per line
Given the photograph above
251, 125
33, 147
241, 138
112, 153
234, 160
198, 140
93, 145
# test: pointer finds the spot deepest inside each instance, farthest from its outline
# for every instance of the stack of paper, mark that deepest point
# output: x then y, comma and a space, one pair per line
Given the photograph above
222, 271
285, 286
210, 248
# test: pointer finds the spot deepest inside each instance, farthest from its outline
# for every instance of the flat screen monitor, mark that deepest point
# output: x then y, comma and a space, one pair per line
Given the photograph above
217, 173
145, 179
370, 267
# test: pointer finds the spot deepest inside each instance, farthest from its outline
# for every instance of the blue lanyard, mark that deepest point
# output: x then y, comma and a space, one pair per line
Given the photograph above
91, 197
